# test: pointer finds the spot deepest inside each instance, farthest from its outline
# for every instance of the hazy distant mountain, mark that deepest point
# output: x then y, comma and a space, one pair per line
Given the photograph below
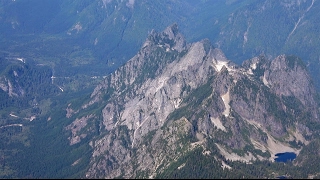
101, 35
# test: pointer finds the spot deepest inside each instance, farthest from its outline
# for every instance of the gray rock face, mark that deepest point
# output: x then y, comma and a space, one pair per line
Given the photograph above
173, 96
12, 88
288, 76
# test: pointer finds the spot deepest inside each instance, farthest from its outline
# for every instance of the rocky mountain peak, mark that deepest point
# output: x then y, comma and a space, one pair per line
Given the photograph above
289, 63
172, 31
170, 38
172, 94
255, 62
288, 76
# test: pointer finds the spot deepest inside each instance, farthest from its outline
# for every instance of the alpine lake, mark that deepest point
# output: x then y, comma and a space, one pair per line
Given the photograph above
286, 156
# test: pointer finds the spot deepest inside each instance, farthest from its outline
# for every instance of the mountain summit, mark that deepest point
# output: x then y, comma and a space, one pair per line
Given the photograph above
173, 99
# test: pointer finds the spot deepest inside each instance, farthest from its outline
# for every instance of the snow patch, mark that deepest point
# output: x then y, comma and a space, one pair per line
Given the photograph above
219, 64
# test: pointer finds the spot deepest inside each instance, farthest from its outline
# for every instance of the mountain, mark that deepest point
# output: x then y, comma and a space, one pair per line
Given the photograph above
91, 89
174, 99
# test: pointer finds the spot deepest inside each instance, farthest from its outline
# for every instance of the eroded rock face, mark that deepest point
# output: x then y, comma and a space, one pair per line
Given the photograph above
173, 96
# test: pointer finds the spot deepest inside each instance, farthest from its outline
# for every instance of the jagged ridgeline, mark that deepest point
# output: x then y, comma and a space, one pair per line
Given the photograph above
180, 109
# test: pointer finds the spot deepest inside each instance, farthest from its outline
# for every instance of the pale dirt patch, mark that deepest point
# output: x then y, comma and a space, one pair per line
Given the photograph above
249, 71
206, 152
235, 157
11, 125
12, 115
201, 141
199, 136
182, 166
254, 65
216, 122
226, 100
273, 146
3, 87
32, 118
258, 145
60, 88
76, 126
70, 111
264, 80
299, 137
76, 162
224, 165
198, 143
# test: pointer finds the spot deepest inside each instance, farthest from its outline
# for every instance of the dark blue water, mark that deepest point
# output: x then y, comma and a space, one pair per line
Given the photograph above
282, 177
286, 156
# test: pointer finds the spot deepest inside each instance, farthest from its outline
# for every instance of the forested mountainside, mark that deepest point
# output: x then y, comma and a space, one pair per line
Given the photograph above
97, 89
